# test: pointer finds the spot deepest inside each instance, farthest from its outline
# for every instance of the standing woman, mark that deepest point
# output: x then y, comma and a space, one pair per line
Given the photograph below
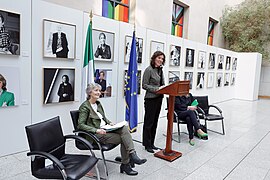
153, 79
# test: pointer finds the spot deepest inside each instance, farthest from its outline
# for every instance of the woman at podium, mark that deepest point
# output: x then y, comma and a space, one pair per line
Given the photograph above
153, 80
184, 107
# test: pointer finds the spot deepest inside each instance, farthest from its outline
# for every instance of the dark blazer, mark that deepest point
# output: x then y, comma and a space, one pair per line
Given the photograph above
65, 90
105, 54
182, 102
64, 52
88, 119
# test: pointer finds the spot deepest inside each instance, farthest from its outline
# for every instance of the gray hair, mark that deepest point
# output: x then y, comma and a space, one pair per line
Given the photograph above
90, 88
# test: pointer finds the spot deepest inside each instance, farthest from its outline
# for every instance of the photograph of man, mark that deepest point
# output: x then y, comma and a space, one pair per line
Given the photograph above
233, 79
102, 82
189, 57
234, 64
4, 36
103, 50
200, 80
212, 61
189, 77
6, 98
226, 79
175, 55
201, 60
65, 91
219, 79
228, 63
60, 43
220, 61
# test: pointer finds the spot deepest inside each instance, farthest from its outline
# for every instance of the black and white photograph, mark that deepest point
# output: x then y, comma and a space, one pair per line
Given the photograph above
234, 64
212, 61
200, 80
190, 57
210, 80
103, 45
189, 77
233, 76
139, 76
175, 54
9, 86
228, 63
104, 79
219, 79
58, 85
201, 59
156, 46
9, 33
139, 48
59, 40
220, 62
174, 76
226, 79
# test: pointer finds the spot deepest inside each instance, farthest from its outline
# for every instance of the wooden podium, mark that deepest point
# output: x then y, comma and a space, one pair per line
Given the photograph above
177, 88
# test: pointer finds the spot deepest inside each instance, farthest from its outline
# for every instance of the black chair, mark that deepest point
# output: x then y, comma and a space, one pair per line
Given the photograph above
204, 113
97, 145
47, 142
178, 122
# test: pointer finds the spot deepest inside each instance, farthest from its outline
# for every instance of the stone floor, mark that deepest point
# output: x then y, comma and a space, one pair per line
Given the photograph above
243, 153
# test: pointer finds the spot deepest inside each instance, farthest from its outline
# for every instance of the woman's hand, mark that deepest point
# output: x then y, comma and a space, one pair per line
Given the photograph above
192, 108
101, 131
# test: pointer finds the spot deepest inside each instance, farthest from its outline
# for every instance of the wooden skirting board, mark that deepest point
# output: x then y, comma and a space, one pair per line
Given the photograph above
264, 97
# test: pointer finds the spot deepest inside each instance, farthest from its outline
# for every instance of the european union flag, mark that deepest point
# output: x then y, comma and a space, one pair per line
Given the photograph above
131, 88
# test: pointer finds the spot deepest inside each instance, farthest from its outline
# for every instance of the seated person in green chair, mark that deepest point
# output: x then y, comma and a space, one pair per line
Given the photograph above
92, 118
185, 111
6, 98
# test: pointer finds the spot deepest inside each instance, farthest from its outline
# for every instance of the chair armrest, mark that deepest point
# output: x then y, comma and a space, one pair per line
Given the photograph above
82, 140
200, 110
91, 135
48, 156
217, 108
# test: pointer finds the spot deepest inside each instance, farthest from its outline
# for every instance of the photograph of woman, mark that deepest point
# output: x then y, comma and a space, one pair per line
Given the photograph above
212, 61
6, 98
220, 61
200, 80
65, 91
103, 50
153, 80
91, 119
228, 63
175, 55
201, 59
189, 57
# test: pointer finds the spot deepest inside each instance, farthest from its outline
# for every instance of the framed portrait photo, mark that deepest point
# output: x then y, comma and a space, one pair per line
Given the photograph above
220, 62
200, 80
212, 61
234, 64
104, 79
219, 79
174, 76
139, 77
228, 63
9, 33
59, 40
103, 45
210, 80
10, 95
226, 79
139, 48
233, 78
189, 77
201, 59
175, 54
58, 85
156, 46
190, 57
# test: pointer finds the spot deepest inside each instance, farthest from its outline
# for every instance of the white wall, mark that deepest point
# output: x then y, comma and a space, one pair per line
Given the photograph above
13, 138
248, 76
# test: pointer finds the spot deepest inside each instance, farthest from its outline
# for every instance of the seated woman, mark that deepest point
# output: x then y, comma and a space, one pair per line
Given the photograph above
186, 112
92, 118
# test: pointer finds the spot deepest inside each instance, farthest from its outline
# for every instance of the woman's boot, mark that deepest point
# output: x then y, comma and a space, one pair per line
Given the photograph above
127, 169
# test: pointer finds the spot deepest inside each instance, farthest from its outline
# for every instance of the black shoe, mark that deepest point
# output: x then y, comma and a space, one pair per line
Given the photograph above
135, 159
149, 149
154, 147
128, 170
